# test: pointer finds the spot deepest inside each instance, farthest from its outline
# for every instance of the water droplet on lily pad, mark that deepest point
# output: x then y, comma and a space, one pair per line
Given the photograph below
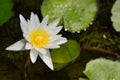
91, 23
65, 29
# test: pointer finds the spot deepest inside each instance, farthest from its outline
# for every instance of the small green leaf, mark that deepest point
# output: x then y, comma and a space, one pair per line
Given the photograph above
59, 66
66, 53
102, 69
116, 15
76, 14
6, 10
83, 79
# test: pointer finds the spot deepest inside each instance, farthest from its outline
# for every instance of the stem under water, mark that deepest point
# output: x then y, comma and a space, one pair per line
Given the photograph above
25, 72
99, 50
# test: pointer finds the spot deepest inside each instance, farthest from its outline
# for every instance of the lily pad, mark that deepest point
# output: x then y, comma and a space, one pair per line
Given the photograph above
75, 15
116, 15
6, 10
83, 79
103, 69
53, 8
66, 53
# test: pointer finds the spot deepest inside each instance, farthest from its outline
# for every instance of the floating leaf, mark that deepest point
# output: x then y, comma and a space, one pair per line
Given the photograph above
102, 69
76, 15
79, 15
59, 66
54, 8
6, 10
82, 79
116, 15
66, 53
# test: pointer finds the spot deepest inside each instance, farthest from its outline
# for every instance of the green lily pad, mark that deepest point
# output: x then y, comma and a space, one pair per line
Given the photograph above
116, 15
58, 66
66, 53
75, 15
83, 79
6, 10
53, 8
103, 69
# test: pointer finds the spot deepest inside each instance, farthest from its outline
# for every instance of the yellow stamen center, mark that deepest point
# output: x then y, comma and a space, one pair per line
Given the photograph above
39, 38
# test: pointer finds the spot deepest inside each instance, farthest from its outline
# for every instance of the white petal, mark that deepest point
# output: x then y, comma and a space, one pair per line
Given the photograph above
44, 22
55, 37
30, 26
60, 40
47, 59
33, 23
37, 21
33, 55
19, 45
54, 23
34, 20
43, 51
28, 46
26, 37
55, 30
52, 46
56, 41
23, 23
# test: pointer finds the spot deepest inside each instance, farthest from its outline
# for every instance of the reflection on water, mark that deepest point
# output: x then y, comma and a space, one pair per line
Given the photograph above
13, 67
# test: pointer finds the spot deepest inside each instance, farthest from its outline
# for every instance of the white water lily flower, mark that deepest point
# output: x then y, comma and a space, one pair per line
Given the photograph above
39, 38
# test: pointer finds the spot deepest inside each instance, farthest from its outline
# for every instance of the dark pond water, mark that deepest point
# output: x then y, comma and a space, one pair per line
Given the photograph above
93, 45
